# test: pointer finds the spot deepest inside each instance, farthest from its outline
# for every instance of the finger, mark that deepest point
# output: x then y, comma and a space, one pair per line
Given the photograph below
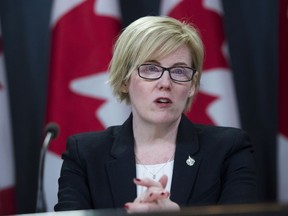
168, 205
146, 182
163, 180
135, 207
140, 207
151, 194
155, 196
162, 205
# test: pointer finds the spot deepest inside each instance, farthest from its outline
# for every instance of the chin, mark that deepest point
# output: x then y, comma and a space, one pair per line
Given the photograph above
165, 118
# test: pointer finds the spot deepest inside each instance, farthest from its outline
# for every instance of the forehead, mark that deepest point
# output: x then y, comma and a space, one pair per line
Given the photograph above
180, 55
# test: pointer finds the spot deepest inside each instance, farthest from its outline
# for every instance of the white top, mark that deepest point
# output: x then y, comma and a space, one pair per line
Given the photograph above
154, 172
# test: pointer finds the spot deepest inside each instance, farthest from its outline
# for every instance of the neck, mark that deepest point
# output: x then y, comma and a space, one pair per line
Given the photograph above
146, 133
154, 143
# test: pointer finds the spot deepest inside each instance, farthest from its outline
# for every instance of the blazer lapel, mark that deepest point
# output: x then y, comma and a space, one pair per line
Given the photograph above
186, 162
121, 169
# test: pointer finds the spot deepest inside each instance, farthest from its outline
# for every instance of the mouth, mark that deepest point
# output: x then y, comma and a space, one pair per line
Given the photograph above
163, 101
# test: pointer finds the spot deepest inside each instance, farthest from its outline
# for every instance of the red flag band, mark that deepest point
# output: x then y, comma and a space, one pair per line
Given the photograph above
283, 104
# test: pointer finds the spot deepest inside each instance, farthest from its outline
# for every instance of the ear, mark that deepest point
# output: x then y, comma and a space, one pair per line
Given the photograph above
193, 88
124, 87
191, 91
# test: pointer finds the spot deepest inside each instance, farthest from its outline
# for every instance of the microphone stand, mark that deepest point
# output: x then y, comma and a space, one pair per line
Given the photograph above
51, 133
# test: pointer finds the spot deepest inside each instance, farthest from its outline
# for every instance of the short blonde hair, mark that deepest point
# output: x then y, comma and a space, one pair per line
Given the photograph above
152, 38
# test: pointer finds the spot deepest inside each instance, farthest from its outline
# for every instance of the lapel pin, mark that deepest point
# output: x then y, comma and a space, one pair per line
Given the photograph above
190, 161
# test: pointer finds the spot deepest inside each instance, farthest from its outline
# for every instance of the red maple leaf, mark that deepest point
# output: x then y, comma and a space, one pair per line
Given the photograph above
81, 46
210, 25
199, 115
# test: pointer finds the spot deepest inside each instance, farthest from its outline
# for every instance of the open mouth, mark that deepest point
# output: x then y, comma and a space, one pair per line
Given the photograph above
163, 100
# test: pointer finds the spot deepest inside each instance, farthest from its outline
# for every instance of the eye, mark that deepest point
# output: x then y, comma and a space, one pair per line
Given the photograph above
152, 68
178, 71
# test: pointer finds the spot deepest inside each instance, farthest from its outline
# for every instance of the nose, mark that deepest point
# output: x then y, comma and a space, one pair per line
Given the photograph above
165, 80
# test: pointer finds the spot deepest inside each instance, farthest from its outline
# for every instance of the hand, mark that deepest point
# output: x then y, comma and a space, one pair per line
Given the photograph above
154, 198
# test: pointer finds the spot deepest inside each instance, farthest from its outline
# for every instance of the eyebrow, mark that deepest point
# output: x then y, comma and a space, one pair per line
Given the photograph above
174, 65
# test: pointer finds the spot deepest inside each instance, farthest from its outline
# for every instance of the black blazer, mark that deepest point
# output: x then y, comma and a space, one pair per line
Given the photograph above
98, 168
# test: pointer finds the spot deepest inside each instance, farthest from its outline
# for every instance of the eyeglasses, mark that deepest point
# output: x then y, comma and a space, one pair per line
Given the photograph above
154, 72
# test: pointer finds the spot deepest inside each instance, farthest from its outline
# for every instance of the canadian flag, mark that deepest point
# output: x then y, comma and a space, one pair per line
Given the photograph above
83, 33
216, 101
283, 104
7, 180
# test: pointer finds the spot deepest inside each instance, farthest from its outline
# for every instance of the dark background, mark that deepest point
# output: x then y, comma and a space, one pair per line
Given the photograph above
251, 28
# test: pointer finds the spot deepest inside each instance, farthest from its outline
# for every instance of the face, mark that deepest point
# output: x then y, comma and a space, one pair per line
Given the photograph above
160, 101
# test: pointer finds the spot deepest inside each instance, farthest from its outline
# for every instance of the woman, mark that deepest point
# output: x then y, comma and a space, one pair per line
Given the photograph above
156, 68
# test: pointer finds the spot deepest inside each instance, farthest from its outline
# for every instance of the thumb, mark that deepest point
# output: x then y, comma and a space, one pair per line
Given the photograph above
163, 180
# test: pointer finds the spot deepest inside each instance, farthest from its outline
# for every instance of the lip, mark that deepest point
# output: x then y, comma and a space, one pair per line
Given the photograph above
163, 101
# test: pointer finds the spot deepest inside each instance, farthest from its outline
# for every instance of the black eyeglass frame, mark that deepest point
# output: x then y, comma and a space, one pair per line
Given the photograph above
166, 69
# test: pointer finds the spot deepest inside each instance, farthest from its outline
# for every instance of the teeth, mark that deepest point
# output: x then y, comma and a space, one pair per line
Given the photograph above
163, 100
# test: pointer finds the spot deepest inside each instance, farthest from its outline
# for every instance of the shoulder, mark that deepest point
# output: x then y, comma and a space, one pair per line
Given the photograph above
225, 138
212, 137
219, 131
92, 142
113, 140
95, 136
102, 137
209, 131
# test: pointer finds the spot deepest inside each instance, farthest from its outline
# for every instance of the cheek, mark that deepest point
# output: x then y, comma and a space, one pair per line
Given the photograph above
185, 96
188, 91
136, 88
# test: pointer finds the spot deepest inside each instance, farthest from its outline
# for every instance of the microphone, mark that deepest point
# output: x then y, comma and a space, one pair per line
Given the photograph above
51, 132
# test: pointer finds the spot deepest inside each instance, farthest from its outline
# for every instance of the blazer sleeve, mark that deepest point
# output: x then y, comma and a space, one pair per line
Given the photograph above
73, 192
239, 179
